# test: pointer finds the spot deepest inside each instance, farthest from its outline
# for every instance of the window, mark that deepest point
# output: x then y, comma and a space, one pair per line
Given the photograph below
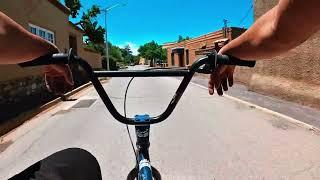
33, 30
44, 33
50, 37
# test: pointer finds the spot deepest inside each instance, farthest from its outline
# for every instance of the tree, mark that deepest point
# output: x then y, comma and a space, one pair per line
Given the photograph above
116, 53
127, 55
126, 51
164, 55
152, 51
181, 38
94, 34
88, 22
74, 6
136, 59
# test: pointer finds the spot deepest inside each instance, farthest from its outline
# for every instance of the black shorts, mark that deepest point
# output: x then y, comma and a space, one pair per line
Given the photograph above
73, 164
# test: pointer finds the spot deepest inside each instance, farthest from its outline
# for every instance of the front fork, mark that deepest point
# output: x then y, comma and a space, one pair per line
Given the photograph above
143, 169
143, 159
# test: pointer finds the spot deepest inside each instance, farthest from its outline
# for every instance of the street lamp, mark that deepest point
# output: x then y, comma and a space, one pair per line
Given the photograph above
106, 10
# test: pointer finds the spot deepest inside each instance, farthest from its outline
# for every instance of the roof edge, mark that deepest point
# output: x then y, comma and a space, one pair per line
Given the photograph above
60, 6
76, 27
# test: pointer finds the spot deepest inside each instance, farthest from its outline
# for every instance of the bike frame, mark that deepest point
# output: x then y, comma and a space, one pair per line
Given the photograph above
143, 143
142, 123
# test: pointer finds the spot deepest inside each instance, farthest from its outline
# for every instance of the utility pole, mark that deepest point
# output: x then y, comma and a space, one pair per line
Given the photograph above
107, 44
106, 10
225, 28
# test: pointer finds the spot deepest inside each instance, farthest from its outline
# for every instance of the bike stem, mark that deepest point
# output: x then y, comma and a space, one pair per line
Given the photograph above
143, 144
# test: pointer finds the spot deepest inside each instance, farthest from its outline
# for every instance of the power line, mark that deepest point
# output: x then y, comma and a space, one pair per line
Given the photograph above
247, 13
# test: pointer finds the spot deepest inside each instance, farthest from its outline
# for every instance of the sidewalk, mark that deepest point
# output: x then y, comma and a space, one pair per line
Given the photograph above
302, 113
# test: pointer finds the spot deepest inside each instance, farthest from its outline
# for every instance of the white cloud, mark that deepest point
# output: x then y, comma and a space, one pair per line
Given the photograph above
134, 48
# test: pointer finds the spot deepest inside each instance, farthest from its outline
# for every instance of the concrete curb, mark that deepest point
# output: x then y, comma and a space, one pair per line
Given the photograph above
290, 119
24, 117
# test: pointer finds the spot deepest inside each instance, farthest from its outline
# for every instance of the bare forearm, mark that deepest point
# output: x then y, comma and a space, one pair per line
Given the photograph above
284, 27
256, 42
18, 45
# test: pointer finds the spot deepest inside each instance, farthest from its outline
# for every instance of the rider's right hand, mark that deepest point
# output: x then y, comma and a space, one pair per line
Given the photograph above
221, 78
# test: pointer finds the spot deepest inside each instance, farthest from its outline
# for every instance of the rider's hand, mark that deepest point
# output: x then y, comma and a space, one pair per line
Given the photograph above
58, 77
221, 78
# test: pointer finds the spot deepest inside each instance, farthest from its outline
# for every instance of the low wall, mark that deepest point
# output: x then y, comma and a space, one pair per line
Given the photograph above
294, 76
93, 58
21, 94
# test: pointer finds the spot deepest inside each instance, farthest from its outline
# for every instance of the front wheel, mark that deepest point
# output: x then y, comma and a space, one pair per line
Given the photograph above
134, 174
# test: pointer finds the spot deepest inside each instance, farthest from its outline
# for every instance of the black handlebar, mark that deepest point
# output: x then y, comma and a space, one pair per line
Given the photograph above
231, 60
48, 59
209, 62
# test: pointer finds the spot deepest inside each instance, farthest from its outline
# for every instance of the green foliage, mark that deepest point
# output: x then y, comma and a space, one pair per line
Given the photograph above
74, 6
136, 59
127, 55
181, 38
113, 63
96, 47
115, 53
164, 55
152, 51
88, 22
94, 34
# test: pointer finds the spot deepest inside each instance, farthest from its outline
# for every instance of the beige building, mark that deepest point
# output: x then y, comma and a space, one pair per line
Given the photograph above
144, 61
294, 76
48, 19
186, 52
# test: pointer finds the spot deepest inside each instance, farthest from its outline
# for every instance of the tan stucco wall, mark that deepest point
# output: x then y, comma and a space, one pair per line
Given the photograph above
294, 76
41, 13
93, 58
79, 35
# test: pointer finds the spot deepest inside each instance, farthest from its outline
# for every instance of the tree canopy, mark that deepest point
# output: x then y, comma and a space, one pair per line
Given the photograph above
181, 38
153, 51
93, 32
74, 6
94, 35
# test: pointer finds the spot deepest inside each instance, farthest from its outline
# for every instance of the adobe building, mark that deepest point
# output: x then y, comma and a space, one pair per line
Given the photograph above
293, 76
48, 19
186, 52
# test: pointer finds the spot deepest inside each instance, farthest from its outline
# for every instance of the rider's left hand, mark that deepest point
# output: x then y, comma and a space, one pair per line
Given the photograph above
58, 78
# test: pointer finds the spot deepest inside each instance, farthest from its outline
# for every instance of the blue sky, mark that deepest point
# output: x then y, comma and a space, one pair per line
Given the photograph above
141, 21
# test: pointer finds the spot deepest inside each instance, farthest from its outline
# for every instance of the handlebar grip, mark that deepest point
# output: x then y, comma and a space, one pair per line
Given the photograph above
47, 59
231, 60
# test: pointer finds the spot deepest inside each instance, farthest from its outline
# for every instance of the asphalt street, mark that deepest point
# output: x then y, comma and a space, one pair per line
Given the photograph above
206, 137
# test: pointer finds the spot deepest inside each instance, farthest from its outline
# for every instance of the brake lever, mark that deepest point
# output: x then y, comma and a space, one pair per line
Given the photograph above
204, 69
211, 64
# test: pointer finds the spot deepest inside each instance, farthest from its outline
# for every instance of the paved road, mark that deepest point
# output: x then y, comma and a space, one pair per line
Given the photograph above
205, 138
303, 113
